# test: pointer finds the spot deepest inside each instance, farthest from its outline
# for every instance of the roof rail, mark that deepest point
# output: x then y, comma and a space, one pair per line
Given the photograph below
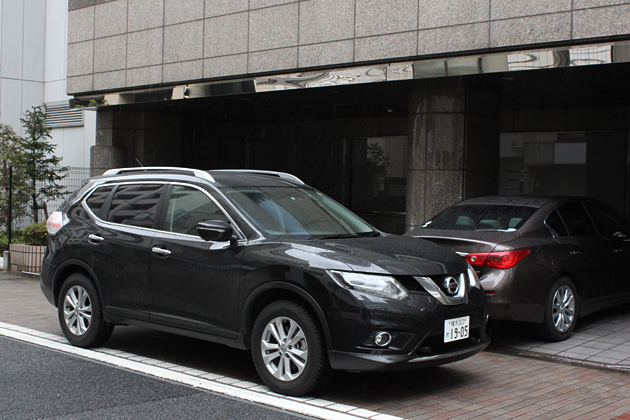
184, 171
282, 175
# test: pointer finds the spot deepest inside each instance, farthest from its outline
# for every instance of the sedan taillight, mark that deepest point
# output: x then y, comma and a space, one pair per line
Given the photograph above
506, 259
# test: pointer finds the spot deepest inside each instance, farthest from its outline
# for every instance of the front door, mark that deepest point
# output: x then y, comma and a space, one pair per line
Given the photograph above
193, 284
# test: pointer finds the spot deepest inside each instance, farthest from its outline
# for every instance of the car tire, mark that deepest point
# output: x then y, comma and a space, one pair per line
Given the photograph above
81, 314
288, 349
561, 311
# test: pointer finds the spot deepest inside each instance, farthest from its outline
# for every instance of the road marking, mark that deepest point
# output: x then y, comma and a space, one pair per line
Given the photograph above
199, 379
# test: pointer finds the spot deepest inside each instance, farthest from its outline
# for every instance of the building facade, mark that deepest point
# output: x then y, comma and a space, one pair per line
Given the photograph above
396, 108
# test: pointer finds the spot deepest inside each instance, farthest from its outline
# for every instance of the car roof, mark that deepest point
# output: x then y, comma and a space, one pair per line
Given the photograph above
537, 201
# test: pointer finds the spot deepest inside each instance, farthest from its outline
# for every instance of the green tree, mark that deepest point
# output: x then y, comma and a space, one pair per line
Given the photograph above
41, 166
12, 154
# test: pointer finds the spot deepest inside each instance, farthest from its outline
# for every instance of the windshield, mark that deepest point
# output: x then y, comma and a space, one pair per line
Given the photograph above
297, 213
481, 217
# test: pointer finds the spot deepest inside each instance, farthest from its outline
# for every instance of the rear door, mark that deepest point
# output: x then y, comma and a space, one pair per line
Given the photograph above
193, 284
583, 254
616, 230
120, 241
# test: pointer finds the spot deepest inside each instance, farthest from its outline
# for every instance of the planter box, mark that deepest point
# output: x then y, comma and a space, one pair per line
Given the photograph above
26, 258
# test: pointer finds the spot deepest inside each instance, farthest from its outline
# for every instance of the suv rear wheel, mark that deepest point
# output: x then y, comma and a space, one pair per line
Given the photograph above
80, 313
288, 349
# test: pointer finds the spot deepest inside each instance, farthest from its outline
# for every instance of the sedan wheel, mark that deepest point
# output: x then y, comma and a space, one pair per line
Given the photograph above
289, 350
561, 311
80, 312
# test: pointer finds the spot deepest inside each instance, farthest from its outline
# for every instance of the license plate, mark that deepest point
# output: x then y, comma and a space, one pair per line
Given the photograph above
456, 329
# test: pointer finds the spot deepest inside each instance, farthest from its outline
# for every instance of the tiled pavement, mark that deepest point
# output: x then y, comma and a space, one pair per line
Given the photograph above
493, 384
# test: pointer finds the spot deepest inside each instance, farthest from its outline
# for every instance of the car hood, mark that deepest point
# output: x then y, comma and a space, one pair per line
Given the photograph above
466, 241
397, 255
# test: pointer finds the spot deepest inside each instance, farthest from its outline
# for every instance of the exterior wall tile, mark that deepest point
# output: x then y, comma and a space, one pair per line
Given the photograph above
145, 14
183, 42
326, 53
530, 30
503, 9
183, 71
110, 18
144, 76
604, 21
225, 66
376, 17
224, 7
81, 25
583, 4
80, 58
326, 20
179, 11
259, 4
226, 35
454, 38
110, 80
144, 48
110, 54
79, 83
280, 59
79, 4
434, 14
386, 46
273, 27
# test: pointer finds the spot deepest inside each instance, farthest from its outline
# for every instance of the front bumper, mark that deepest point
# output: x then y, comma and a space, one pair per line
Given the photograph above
393, 362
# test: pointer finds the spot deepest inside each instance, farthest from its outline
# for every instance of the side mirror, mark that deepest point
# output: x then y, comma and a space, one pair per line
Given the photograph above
215, 230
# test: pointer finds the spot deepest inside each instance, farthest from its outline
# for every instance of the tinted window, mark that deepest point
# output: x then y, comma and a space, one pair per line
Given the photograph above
188, 206
576, 220
481, 217
97, 199
608, 223
135, 204
555, 222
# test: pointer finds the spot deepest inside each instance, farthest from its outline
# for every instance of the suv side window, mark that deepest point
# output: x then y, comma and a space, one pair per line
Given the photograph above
607, 223
97, 199
135, 204
576, 220
188, 206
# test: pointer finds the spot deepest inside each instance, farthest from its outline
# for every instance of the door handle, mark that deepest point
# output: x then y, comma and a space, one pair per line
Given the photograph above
161, 251
575, 253
95, 238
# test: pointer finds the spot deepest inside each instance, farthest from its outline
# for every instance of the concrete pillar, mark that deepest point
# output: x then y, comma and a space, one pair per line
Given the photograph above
105, 154
453, 149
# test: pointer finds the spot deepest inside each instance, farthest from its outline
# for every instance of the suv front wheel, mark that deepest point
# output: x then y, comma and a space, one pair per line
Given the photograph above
80, 313
288, 349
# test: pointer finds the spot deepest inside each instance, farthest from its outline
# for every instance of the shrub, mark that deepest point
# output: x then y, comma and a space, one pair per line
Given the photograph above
35, 234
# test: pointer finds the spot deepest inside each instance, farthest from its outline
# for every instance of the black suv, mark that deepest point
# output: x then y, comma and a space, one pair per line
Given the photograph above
257, 261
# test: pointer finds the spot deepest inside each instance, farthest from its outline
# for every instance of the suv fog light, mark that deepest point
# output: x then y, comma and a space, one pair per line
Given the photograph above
382, 339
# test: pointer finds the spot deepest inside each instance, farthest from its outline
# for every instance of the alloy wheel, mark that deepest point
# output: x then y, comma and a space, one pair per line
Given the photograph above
563, 309
77, 310
284, 348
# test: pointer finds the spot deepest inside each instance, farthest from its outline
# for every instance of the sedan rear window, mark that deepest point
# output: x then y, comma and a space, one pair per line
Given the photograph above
481, 217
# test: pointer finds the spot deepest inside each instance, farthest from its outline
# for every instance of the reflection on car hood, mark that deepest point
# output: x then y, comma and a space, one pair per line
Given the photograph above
398, 255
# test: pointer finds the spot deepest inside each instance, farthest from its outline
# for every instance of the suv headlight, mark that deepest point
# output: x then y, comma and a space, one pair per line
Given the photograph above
373, 284
473, 279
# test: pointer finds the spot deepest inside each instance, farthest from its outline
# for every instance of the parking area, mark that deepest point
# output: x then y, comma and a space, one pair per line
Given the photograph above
518, 377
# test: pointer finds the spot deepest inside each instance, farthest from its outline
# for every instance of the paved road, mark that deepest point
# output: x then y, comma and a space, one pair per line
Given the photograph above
489, 385
40, 383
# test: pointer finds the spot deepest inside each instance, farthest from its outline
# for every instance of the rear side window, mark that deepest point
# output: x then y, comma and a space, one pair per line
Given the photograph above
576, 220
135, 204
481, 217
188, 206
608, 223
97, 199
556, 224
